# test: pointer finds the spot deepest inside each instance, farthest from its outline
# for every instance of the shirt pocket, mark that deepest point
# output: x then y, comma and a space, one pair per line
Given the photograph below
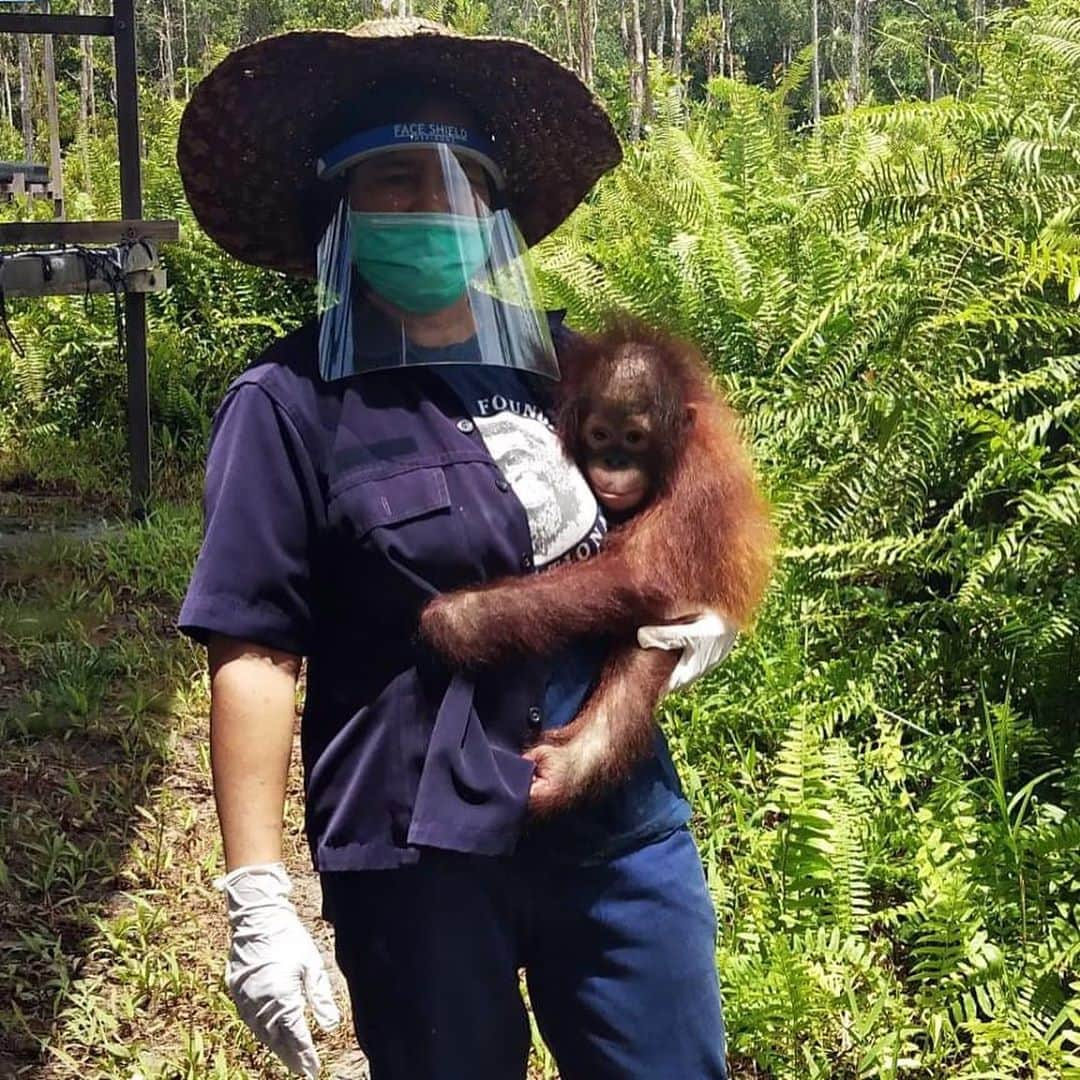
400, 537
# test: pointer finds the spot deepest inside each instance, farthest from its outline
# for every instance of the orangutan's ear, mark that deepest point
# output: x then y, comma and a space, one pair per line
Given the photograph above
689, 415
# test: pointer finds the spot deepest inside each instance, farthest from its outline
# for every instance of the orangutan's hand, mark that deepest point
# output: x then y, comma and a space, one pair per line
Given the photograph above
568, 769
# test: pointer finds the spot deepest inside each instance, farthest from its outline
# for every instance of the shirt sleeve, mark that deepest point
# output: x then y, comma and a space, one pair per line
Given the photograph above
261, 508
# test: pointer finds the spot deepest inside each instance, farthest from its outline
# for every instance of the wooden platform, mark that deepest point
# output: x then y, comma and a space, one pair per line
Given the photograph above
25, 178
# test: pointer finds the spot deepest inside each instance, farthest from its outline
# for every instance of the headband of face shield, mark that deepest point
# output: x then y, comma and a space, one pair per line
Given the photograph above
428, 234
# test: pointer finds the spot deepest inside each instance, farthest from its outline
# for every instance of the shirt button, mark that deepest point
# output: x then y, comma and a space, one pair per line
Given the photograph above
466, 426
502, 485
534, 717
526, 561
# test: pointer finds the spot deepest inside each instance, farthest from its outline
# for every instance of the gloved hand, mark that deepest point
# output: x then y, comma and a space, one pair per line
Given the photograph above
273, 963
705, 642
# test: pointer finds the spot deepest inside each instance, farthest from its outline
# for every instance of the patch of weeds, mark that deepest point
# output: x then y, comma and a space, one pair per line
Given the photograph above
43, 599
151, 560
112, 939
87, 470
89, 729
72, 679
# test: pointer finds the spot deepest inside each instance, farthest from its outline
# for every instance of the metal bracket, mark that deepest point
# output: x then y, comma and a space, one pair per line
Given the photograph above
69, 272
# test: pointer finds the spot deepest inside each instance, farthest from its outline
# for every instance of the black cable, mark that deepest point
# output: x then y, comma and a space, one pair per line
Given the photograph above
4, 315
107, 265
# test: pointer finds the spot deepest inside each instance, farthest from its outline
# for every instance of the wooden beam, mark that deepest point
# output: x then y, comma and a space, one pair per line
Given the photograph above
12, 22
32, 172
14, 233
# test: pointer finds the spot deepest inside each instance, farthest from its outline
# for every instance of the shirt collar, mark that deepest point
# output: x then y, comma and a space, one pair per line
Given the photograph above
375, 336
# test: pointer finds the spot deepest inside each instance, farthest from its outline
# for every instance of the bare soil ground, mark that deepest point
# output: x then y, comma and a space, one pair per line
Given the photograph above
112, 937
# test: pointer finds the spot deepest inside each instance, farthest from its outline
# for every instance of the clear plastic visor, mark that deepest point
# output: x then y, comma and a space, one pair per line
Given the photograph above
421, 265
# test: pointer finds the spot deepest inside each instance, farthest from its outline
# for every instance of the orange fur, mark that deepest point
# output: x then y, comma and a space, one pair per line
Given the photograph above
703, 541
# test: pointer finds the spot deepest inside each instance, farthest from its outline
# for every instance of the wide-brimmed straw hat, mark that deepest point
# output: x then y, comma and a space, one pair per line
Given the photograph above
254, 127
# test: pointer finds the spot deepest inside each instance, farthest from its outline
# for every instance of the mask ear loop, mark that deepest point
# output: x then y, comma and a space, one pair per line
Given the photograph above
334, 296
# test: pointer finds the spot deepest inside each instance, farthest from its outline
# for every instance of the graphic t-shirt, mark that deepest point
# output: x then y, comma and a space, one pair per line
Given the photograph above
565, 520
566, 523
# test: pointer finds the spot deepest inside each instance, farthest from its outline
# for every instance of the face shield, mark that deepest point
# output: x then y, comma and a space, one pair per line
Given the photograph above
422, 263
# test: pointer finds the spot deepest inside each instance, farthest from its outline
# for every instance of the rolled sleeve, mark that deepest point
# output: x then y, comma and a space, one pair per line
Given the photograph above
261, 507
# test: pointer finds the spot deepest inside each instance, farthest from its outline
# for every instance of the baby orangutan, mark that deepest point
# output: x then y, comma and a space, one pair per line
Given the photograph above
637, 413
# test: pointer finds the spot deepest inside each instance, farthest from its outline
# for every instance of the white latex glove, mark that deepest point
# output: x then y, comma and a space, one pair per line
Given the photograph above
273, 963
704, 643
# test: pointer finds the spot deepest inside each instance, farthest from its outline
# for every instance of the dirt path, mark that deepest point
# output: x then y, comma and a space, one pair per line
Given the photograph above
340, 1058
112, 938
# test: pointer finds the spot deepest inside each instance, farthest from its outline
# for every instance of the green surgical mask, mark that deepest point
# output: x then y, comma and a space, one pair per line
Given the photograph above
418, 262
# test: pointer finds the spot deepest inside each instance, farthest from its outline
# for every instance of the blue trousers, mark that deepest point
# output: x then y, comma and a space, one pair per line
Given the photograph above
619, 959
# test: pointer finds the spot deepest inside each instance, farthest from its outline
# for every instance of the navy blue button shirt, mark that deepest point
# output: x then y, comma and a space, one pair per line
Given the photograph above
333, 512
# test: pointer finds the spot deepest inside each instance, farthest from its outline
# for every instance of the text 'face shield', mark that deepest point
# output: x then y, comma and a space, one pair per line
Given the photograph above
421, 264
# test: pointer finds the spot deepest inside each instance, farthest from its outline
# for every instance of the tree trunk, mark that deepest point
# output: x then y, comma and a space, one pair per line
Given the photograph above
9, 114
980, 17
678, 11
834, 30
56, 165
571, 52
661, 29
647, 31
86, 73
815, 69
187, 53
637, 66
859, 20
26, 90
729, 15
169, 67
586, 20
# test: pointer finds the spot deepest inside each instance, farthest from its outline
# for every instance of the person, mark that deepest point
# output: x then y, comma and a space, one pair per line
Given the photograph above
398, 446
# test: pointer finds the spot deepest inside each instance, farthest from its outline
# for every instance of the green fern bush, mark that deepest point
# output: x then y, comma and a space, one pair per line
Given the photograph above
886, 771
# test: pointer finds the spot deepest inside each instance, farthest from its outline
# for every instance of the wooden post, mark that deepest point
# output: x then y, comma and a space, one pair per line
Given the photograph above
127, 118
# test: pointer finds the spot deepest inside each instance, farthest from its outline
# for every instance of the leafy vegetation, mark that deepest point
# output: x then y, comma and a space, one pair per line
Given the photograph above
110, 957
886, 773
